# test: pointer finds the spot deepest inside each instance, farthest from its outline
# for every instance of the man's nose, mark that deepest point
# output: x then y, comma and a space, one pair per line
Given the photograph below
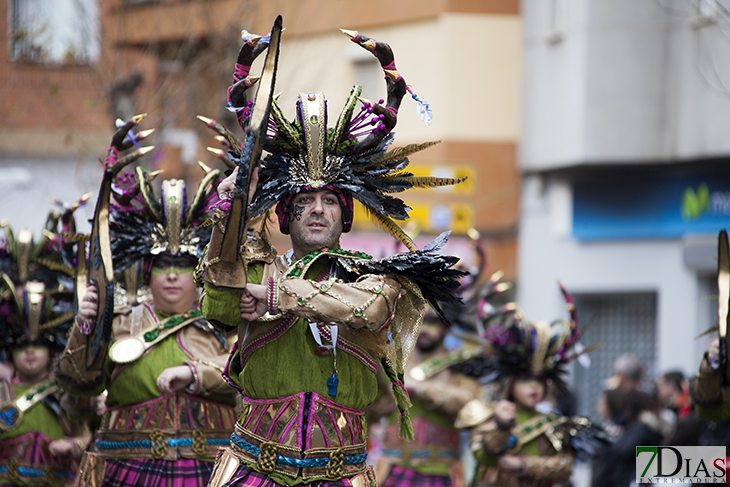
318, 206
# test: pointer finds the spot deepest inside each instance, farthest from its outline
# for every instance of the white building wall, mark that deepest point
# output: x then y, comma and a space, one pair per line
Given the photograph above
547, 254
623, 81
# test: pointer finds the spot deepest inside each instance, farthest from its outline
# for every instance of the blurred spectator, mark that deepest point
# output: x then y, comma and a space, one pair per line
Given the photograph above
711, 399
644, 425
628, 373
673, 392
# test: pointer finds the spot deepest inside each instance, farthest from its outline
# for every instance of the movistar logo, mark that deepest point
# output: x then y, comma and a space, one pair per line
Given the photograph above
695, 203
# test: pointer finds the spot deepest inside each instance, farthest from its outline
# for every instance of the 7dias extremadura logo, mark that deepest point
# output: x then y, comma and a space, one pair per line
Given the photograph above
680, 464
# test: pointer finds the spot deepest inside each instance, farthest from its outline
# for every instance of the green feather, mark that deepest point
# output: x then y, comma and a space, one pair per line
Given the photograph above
431, 182
401, 152
57, 266
292, 136
343, 120
393, 228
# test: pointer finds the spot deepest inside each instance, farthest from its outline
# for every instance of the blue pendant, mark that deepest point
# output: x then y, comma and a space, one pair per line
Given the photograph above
332, 385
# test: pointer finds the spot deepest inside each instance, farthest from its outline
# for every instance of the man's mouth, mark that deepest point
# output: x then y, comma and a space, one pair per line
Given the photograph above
171, 289
317, 224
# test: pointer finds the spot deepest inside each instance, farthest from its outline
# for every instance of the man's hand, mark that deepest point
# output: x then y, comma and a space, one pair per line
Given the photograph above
253, 303
100, 405
88, 306
228, 185
61, 448
713, 352
175, 378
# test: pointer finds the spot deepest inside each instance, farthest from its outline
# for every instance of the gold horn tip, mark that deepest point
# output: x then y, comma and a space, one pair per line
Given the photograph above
392, 74
352, 34
216, 151
204, 167
502, 287
144, 150
496, 276
473, 233
276, 96
154, 174
252, 80
365, 101
138, 118
143, 134
253, 41
206, 120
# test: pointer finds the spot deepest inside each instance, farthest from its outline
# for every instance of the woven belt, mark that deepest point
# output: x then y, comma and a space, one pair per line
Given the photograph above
332, 463
35, 472
116, 445
158, 444
297, 462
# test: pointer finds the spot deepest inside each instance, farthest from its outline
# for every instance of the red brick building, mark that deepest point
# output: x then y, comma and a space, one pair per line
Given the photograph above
173, 60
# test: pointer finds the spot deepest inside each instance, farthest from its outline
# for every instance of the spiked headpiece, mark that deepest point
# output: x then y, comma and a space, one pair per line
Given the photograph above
36, 288
351, 156
514, 346
144, 225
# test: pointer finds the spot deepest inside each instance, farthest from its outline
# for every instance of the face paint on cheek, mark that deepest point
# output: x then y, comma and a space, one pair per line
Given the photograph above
297, 213
180, 271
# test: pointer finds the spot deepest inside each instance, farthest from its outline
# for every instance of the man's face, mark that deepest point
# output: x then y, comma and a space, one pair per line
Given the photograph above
430, 336
315, 221
171, 284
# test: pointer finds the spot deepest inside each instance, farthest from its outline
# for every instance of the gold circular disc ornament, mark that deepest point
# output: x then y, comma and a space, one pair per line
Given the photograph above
10, 416
126, 350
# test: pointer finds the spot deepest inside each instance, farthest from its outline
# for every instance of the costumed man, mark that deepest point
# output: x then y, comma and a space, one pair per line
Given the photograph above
513, 442
167, 405
712, 384
39, 443
437, 394
315, 323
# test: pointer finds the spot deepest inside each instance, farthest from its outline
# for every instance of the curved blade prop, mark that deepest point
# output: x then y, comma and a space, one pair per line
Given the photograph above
224, 266
100, 267
723, 302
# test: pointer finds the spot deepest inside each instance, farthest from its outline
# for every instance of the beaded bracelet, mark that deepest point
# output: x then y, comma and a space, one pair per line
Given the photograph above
273, 296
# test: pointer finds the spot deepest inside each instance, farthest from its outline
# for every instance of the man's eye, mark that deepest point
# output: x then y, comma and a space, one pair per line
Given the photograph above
330, 201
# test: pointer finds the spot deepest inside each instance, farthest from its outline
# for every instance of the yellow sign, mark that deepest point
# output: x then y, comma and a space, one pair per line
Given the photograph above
430, 218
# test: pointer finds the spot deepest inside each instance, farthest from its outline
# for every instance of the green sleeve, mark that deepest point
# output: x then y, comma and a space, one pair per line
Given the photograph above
714, 413
220, 306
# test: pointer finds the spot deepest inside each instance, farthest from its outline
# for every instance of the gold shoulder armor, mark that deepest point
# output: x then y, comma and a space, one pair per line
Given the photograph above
473, 413
258, 249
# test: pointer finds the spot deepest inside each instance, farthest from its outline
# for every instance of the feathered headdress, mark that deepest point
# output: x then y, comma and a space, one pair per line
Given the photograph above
350, 156
513, 346
145, 225
36, 285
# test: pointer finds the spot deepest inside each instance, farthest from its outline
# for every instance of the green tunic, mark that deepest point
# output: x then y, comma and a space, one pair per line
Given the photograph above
289, 364
39, 418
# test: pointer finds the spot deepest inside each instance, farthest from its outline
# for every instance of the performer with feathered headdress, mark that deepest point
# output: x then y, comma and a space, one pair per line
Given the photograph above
39, 443
315, 323
160, 361
514, 442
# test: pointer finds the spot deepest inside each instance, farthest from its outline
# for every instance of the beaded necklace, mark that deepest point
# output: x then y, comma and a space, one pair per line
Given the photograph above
320, 349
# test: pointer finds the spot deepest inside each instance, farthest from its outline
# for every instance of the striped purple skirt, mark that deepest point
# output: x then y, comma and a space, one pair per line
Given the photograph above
157, 473
407, 477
